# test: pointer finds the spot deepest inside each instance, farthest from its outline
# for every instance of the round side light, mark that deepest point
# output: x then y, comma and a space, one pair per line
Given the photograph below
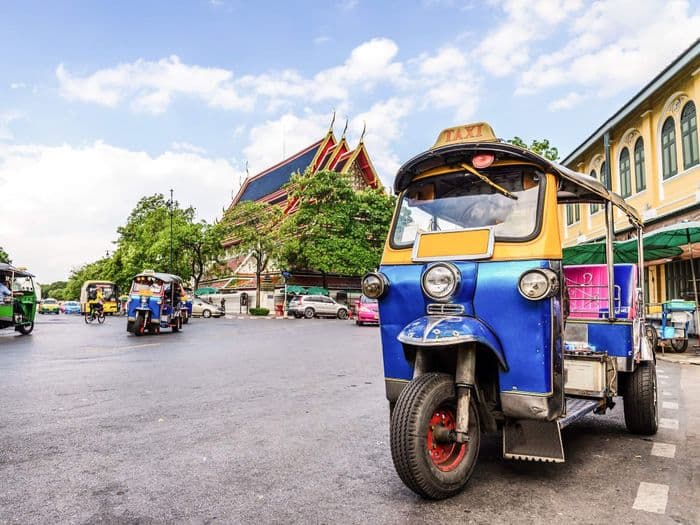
374, 285
538, 284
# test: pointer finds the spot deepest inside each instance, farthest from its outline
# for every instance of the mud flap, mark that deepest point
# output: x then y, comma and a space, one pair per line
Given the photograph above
532, 440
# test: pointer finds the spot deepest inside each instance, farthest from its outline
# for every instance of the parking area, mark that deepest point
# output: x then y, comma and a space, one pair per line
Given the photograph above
266, 420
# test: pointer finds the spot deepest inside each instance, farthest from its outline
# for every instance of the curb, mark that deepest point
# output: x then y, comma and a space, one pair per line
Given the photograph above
682, 358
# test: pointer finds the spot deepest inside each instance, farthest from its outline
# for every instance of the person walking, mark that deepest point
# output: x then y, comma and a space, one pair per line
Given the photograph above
223, 304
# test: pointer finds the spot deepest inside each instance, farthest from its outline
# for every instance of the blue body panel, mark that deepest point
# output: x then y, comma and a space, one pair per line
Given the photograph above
615, 339
489, 293
156, 305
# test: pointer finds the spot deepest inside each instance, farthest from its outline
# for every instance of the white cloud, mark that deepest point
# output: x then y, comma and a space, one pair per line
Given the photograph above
322, 39
18, 85
508, 47
6, 118
76, 197
151, 85
616, 45
186, 146
569, 101
445, 61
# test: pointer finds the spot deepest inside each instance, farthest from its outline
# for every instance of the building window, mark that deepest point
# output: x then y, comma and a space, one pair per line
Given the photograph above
689, 135
668, 148
577, 212
625, 173
569, 215
639, 177
605, 176
594, 207
679, 279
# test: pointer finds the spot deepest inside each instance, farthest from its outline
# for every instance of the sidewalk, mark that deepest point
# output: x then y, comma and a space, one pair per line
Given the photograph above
690, 357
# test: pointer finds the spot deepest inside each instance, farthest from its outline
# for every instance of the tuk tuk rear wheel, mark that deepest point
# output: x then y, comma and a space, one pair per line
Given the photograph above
26, 329
432, 467
641, 400
679, 345
652, 336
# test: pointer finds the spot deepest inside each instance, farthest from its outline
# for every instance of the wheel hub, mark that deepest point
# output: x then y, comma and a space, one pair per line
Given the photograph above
443, 451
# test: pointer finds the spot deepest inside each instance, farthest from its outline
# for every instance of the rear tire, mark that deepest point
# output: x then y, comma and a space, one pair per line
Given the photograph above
26, 329
641, 400
430, 468
652, 336
359, 323
342, 314
679, 345
309, 313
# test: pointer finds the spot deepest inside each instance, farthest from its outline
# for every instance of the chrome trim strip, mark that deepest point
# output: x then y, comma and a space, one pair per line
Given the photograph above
448, 309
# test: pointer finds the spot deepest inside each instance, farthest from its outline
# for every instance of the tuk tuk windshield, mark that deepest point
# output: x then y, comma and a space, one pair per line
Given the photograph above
459, 201
146, 284
23, 284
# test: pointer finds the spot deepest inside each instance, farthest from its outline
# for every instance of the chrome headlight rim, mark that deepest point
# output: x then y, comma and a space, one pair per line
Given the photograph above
382, 283
551, 279
454, 287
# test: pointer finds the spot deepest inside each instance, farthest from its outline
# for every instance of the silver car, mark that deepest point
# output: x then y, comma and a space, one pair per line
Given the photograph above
205, 309
310, 306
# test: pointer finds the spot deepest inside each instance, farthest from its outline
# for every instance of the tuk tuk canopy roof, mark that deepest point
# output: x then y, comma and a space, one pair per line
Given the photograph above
165, 277
573, 187
624, 251
8, 268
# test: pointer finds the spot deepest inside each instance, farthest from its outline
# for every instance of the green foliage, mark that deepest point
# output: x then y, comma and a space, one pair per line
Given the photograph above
254, 228
336, 229
144, 243
541, 147
57, 290
4, 256
259, 311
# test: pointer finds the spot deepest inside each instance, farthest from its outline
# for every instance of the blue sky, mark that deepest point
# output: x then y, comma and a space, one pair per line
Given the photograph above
102, 103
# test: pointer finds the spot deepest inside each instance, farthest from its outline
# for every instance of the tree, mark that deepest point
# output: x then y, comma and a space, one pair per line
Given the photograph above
254, 229
336, 229
57, 290
541, 147
202, 241
4, 256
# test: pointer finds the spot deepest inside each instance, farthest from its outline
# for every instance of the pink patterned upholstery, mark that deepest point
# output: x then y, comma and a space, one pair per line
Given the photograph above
588, 290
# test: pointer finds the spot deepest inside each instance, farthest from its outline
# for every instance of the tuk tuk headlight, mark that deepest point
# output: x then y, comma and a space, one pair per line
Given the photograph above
440, 281
374, 285
538, 284
144, 300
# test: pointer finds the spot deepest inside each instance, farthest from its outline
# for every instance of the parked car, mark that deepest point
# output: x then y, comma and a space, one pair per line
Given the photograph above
71, 307
310, 306
367, 311
49, 306
201, 308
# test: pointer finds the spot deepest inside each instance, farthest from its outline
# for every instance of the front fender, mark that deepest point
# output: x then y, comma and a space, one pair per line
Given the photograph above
433, 330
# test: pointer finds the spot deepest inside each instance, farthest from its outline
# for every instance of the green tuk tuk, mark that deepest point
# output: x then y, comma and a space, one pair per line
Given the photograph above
17, 299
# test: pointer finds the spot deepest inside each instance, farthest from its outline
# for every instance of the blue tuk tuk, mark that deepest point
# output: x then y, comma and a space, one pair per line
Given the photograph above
484, 329
155, 302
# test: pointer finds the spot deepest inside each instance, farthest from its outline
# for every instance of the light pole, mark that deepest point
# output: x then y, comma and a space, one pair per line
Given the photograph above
171, 230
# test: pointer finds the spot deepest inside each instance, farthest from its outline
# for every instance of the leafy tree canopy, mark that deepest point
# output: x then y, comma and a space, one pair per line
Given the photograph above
4, 256
336, 229
541, 147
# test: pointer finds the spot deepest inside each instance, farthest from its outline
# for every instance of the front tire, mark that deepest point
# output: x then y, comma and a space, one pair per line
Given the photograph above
100, 317
206, 314
431, 468
652, 336
641, 400
139, 325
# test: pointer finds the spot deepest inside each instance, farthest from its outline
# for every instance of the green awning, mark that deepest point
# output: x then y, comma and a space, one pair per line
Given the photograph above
625, 252
206, 291
295, 289
317, 290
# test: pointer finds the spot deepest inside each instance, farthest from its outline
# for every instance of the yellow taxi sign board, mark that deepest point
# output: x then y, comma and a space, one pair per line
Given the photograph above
477, 132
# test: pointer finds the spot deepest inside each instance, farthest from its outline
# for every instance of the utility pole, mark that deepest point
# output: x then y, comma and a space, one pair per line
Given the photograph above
171, 231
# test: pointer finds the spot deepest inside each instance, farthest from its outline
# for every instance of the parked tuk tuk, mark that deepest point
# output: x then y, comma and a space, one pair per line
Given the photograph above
186, 305
155, 303
17, 299
670, 327
482, 326
107, 292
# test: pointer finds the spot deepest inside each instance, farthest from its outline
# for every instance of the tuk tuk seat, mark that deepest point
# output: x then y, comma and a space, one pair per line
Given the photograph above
588, 290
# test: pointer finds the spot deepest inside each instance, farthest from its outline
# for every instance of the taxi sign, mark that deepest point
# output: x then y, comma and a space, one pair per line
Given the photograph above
477, 132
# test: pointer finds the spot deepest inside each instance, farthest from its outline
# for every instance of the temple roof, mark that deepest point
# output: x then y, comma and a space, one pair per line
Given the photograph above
272, 179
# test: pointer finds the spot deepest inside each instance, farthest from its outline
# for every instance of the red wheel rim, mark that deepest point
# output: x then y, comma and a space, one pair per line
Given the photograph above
445, 456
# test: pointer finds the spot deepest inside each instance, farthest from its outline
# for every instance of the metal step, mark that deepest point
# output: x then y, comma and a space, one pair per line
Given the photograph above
576, 409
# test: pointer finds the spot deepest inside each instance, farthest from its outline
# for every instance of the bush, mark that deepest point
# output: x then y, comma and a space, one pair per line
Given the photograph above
259, 311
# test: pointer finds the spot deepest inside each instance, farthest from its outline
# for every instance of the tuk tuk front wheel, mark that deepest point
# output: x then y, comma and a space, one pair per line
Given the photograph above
139, 324
26, 329
427, 461
679, 345
641, 400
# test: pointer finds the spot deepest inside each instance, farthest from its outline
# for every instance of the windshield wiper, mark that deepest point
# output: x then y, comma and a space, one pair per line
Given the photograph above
488, 181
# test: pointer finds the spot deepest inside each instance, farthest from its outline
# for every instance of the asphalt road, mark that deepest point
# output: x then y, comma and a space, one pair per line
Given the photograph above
274, 421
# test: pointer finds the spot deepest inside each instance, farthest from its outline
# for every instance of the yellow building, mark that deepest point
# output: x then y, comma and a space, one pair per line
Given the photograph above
648, 153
